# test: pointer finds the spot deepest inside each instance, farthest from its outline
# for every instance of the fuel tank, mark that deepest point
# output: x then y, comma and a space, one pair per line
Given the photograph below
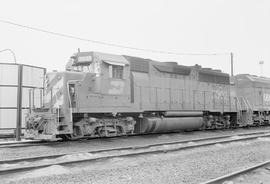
172, 124
183, 113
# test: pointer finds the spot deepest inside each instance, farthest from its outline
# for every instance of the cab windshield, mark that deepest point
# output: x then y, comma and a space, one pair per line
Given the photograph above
91, 67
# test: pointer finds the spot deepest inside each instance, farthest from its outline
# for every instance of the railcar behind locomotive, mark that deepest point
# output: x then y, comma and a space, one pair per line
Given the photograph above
103, 94
253, 93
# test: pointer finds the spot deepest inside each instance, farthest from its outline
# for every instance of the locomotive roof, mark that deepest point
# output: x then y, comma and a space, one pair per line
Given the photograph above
213, 72
87, 58
111, 58
168, 67
143, 65
205, 74
252, 78
177, 69
138, 64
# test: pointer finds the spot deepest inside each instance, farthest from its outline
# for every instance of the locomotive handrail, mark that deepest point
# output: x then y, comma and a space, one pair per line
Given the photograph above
250, 106
238, 102
244, 100
247, 102
32, 97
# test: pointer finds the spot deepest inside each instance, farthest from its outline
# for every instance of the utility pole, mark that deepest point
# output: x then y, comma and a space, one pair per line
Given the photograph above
19, 103
231, 64
261, 67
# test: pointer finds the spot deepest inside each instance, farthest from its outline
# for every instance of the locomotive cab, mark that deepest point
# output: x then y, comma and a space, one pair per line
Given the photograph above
104, 91
106, 84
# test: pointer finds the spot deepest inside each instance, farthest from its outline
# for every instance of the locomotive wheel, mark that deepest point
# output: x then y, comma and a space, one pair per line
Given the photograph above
119, 130
109, 132
102, 133
77, 134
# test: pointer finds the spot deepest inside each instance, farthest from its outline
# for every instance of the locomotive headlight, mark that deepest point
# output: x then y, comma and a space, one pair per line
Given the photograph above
84, 59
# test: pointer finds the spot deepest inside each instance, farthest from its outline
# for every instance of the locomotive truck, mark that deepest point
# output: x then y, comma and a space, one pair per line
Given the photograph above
101, 95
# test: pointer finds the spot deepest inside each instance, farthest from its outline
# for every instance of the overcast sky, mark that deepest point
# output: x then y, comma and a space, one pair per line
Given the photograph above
185, 26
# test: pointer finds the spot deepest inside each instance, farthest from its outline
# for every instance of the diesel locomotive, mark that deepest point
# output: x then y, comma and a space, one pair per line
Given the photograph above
101, 95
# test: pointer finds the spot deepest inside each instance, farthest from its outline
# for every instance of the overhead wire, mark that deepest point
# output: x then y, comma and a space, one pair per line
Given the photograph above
107, 43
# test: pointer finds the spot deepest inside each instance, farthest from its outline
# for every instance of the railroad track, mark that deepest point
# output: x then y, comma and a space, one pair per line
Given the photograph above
13, 144
227, 178
29, 143
22, 164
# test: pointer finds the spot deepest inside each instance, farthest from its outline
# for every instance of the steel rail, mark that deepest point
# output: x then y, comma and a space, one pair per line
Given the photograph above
135, 151
232, 175
132, 147
17, 143
42, 143
27, 144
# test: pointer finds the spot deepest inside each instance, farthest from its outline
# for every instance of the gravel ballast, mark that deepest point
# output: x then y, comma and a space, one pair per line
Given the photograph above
188, 166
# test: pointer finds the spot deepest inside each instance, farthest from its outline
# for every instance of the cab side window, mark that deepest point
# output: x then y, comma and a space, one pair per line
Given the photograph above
116, 71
